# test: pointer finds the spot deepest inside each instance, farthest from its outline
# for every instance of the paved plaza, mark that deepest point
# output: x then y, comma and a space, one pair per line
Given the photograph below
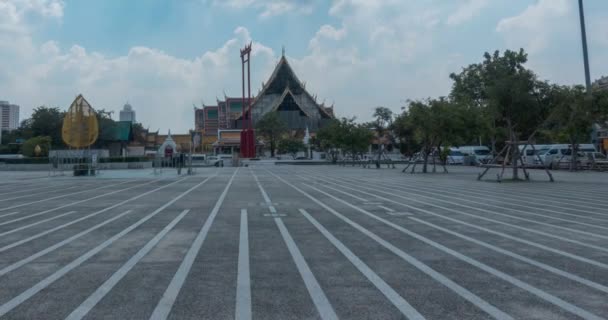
303, 242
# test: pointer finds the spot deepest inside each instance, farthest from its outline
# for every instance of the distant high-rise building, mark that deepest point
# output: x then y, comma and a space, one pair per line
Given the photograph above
601, 83
127, 113
9, 116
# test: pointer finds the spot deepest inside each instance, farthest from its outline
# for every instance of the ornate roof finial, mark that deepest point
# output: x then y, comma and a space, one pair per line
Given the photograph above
283, 50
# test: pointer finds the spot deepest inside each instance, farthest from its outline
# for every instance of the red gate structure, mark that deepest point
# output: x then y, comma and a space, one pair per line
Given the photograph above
247, 132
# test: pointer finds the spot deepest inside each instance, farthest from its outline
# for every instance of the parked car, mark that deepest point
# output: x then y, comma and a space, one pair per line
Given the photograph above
215, 161
482, 154
531, 152
557, 154
455, 157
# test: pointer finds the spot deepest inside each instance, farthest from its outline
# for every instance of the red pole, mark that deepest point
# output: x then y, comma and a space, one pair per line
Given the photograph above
243, 103
249, 86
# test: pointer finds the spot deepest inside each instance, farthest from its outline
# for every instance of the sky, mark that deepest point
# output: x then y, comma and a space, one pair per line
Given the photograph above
164, 56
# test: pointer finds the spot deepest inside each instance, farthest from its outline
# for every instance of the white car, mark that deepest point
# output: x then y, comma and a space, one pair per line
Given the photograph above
482, 154
455, 157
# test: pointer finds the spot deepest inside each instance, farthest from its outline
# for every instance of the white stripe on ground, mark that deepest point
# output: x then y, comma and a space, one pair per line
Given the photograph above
326, 311
16, 301
164, 306
243, 281
461, 291
41, 234
500, 202
34, 193
58, 245
63, 196
518, 239
435, 195
404, 307
32, 190
549, 235
86, 306
35, 223
499, 274
386, 208
74, 203
511, 254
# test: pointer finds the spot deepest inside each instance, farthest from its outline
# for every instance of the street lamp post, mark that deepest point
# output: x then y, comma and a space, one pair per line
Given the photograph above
585, 51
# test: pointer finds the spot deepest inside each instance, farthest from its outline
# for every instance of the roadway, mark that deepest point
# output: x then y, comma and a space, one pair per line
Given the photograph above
298, 242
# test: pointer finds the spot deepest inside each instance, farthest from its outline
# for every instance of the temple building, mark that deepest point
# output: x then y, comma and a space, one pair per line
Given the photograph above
284, 93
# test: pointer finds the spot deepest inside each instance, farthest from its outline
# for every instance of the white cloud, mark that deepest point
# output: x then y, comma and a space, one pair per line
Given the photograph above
467, 11
270, 8
161, 87
533, 28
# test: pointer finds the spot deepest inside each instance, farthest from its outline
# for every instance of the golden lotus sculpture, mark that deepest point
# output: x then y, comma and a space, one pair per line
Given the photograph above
80, 128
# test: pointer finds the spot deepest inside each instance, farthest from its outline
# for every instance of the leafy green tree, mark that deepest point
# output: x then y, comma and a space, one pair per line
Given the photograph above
46, 121
433, 124
327, 139
271, 128
507, 94
291, 146
29, 146
354, 138
573, 115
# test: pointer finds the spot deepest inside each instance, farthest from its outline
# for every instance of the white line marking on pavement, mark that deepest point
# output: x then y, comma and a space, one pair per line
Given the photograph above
511, 254
399, 214
63, 196
41, 234
33, 193
463, 292
502, 201
166, 302
515, 217
326, 311
35, 223
386, 208
514, 238
58, 245
499, 274
73, 203
243, 281
549, 235
86, 306
32, 190
16, 301
376, 280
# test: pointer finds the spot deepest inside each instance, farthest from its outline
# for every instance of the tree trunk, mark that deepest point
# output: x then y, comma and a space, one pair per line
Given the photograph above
514, 151
272, 145
426, 160
574, 150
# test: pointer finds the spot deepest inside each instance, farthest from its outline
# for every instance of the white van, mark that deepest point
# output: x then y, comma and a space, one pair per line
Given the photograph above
530, 155
560, 153
482, 154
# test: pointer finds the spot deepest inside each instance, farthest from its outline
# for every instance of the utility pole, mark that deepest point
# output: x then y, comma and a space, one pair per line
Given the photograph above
585, 51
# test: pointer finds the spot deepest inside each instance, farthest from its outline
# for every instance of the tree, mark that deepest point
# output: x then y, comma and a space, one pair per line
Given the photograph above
384, 119
328, 139
573, 115
506, 92
345, 135
29, 147
272, 128
46, 121
107, 127
434, 124
291, 146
